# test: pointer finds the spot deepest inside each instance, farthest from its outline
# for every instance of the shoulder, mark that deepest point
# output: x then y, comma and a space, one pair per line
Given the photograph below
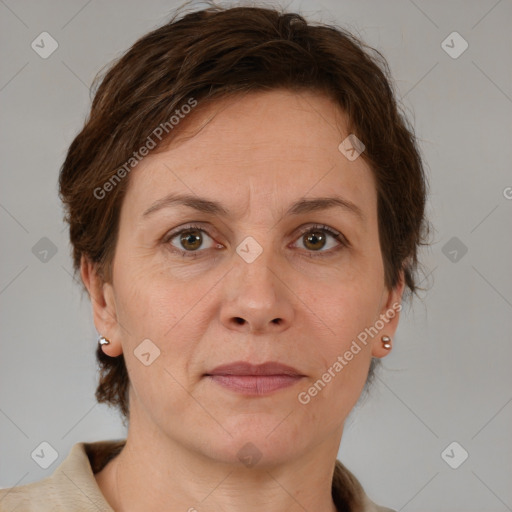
72, 486
35, 497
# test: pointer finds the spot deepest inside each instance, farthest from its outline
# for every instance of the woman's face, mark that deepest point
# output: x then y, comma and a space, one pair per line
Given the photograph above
258, 277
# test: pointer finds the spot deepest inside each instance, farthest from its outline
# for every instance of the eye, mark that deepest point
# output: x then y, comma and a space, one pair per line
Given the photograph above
189, 240
192, 240
316, 238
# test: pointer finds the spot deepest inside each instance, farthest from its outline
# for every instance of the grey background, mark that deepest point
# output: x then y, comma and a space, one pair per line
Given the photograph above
448, 377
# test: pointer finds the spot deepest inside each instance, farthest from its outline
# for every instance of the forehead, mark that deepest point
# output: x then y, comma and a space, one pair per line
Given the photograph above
268, 148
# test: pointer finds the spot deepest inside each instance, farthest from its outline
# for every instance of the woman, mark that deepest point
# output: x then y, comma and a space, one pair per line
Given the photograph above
245, 205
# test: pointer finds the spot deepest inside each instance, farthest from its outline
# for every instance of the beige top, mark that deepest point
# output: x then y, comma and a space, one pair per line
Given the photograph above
72, 486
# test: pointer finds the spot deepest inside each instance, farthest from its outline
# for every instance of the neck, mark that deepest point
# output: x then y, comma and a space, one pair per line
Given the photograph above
156, 473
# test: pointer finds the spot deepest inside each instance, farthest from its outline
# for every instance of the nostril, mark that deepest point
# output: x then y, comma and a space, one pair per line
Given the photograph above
239, 321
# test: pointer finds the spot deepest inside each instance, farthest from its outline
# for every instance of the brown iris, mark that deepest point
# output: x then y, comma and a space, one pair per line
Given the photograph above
312, 239
191, 239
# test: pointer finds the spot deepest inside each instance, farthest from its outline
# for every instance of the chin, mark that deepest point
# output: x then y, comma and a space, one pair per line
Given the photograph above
262, 441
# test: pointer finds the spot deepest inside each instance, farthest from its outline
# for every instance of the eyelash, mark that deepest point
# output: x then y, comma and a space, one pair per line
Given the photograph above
310, 229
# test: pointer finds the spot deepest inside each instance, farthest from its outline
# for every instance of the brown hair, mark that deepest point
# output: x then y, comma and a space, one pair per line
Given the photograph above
215, 53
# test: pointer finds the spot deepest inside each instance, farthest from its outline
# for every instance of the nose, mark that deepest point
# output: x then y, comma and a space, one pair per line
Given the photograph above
256, 298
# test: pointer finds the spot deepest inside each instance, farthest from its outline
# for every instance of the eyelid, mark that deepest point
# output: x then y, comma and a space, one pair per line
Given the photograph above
191, 226
338, 235
199, 226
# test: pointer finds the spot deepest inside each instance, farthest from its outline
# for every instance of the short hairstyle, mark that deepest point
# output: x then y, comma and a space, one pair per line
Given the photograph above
216, 53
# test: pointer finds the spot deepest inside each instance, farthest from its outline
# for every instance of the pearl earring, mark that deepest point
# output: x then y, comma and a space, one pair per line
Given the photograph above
103, 341
386, 342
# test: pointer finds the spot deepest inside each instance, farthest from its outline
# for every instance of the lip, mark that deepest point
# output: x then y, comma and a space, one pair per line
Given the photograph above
244, 368
249, 379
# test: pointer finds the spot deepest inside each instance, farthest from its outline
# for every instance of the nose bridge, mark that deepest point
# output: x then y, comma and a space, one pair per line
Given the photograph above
255, 298
254, 273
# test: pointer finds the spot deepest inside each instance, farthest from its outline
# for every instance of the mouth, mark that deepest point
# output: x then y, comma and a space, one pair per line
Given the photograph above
254, 380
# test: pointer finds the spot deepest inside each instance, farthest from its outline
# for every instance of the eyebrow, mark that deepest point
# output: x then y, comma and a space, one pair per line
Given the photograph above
215, 208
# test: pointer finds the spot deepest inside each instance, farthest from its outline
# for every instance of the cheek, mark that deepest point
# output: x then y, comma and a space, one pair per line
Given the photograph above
152, 304
344, 317
339, 359
341, 313
352, 311
148, 299
151, 308
346, 301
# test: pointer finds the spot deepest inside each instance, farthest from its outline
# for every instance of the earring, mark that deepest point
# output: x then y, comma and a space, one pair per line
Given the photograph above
386, 342
103, 341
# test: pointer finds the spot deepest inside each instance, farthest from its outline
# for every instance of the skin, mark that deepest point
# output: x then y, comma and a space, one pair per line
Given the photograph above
255, 155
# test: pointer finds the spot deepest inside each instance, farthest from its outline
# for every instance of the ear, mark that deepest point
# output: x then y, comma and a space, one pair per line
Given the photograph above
103, 306
389, 316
